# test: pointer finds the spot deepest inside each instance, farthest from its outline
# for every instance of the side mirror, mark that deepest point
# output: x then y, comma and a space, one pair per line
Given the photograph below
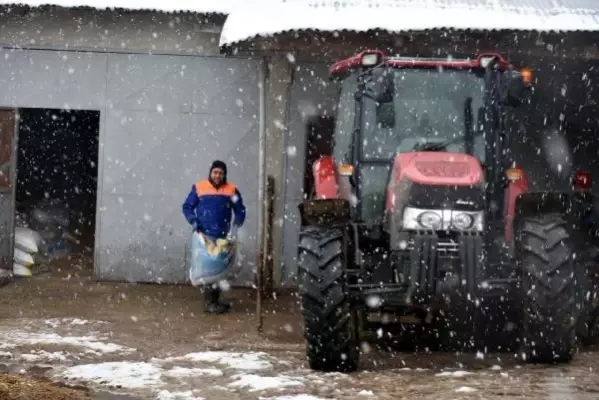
519, 90
381, 86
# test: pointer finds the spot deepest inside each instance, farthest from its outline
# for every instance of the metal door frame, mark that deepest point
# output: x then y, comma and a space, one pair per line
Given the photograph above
13, 181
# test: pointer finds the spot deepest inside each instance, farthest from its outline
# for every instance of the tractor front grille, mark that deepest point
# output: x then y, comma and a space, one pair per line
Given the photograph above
434, 257
444, 247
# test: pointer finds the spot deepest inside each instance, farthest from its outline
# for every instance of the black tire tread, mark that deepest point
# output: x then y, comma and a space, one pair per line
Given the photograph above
328, 326
549, 283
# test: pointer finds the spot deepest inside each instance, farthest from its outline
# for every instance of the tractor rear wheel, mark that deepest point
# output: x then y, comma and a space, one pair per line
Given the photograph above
546, 254
329, 322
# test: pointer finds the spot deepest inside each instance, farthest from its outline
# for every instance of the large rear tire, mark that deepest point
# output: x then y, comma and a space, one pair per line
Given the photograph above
546, 253
329, 322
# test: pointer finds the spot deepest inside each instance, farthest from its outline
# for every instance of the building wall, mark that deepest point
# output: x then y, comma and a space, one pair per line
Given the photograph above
288, 59
127, 31
163, 119
166, 112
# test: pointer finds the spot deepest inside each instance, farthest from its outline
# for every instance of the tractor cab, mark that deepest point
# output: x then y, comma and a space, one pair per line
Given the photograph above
392, 106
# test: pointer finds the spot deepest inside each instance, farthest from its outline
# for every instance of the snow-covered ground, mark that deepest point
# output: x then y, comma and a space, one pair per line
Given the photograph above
92, 353
83, 352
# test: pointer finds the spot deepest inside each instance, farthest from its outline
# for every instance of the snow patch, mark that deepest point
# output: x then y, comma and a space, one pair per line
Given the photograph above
56, 322
465, 389
166, 395
41, 355
130, 375
246, 22
180, 372
257, 382
93, 344
293, 397
231, 360
453, 374
366, 393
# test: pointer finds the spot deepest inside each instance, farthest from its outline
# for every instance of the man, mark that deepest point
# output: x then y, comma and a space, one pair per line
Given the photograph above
208, 209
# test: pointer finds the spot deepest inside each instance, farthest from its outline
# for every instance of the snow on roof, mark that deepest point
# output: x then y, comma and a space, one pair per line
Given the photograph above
269, 17
194, 6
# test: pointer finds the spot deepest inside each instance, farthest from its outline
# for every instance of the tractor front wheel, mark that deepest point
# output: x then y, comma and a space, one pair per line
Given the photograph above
329, 322
546, 254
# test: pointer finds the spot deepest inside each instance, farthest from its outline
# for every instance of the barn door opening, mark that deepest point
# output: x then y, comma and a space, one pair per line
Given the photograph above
56, 189
8, 129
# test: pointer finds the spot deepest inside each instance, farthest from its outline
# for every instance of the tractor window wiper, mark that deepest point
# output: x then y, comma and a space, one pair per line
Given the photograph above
437, 146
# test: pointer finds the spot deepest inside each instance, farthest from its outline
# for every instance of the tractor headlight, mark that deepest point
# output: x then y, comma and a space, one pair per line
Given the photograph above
418, 218
430, 220
468, 221
414, 218
462, 221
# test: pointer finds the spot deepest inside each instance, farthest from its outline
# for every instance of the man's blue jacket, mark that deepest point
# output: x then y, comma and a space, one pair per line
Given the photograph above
210, 208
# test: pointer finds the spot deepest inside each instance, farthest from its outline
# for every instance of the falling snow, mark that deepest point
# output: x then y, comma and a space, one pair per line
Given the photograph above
111, 113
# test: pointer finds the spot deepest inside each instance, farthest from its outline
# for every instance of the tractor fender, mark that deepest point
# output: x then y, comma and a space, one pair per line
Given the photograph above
325, 212
572, 205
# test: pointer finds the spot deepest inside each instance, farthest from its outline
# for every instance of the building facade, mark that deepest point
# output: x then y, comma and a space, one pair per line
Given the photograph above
176, 89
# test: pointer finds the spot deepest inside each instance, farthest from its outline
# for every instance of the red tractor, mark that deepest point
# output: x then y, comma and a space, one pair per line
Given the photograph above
419, 215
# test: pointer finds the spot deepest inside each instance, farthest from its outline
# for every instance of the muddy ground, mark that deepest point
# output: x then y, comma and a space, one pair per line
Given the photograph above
157, 336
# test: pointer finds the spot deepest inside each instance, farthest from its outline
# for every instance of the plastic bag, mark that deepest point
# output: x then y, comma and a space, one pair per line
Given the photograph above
210, 259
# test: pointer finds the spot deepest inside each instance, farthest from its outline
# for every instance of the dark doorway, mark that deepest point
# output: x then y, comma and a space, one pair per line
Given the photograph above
57, 178
319, 142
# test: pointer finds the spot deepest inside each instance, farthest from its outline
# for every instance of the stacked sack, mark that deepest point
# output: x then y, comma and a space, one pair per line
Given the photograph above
41, 235
50, 218
27, 247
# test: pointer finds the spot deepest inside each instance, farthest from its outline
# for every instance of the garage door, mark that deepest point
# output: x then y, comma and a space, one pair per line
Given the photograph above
167, 118
312, 95
163, 120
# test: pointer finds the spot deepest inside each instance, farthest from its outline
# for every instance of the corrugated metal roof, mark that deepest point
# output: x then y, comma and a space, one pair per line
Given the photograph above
278, 16
194, 6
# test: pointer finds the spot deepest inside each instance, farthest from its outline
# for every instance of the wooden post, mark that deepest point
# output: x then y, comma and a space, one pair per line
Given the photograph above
264, 273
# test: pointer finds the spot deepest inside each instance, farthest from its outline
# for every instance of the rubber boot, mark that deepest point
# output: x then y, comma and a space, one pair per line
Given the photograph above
212, 305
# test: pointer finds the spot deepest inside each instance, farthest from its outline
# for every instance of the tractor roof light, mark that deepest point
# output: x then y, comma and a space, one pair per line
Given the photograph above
583, 181
485, 61
514, 174
527, 76
345, 169
370, 60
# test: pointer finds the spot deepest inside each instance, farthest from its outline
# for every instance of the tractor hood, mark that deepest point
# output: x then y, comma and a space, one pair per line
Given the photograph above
438, 168
438, 180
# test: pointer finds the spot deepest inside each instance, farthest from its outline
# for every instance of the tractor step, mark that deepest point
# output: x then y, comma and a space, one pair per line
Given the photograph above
376, 296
